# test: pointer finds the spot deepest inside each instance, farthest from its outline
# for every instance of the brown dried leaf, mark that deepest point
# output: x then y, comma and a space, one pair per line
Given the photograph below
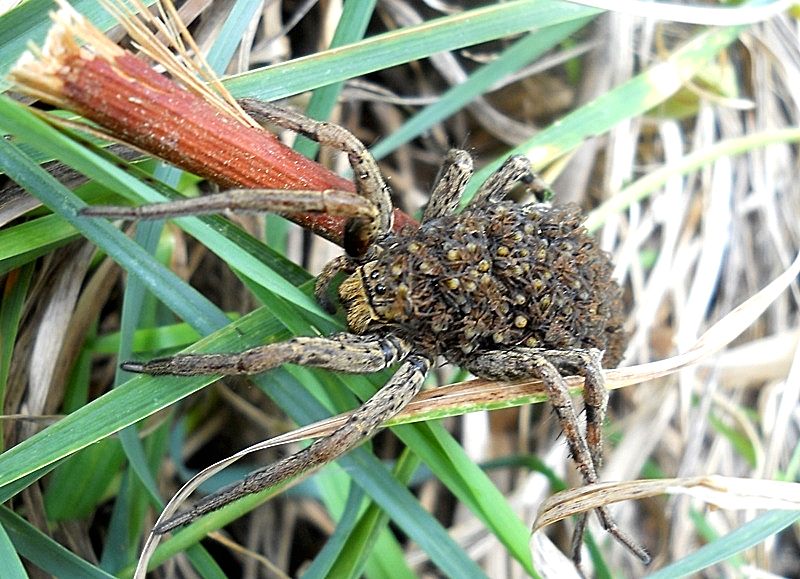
721, 491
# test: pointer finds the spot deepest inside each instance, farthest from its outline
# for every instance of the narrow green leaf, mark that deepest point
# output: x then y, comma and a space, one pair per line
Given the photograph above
745, 537
352, 25
38, 235
11, 489
139, 488
79, 483
394, 498
522, 52
358, 549
45, 553
321, 566
169, 337
15, 289
382, 51
448, 461
62, 201
631, 99
230, 35
12, 565
407, 513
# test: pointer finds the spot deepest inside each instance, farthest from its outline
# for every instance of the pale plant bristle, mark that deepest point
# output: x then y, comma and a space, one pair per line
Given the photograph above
37, 71
180, 55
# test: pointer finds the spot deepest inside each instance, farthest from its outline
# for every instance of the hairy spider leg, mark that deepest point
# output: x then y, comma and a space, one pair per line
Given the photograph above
595, 402
343, 352
587, 452
332, 202
536, 362
341, 263
453, 177
360, 426
587, 363
360, 234
516, 169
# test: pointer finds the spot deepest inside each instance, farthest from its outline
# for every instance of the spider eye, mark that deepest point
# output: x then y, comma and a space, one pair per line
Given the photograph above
380, 289
374, 275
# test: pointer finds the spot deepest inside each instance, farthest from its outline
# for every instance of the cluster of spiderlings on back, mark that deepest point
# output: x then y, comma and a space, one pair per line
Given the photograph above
498, 276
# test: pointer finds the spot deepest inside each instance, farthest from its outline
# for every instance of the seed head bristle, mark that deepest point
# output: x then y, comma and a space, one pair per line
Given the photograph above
40, 73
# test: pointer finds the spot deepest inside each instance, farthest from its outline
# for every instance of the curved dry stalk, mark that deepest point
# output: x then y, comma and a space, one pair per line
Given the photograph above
732, 493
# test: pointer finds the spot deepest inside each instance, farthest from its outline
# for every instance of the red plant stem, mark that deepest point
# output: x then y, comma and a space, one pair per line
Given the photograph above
156, 115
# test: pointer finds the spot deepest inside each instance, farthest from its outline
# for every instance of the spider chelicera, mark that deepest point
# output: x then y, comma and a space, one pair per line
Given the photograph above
505, 290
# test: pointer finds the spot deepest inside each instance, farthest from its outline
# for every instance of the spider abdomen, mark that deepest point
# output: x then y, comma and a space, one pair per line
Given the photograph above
494, 277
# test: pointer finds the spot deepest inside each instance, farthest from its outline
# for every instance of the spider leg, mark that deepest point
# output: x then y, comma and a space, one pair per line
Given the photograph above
343, 352
450, 183
587, 363
595, 404
515, 169
245, 201
325, 278
586, 451
367, 175
257, 200
360, 426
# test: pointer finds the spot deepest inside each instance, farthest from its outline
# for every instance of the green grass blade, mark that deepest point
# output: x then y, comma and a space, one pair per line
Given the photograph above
408, 514
522, 52
139, 488
23, 243
385, 490
358, 550
12, 488
448, 461
172, 337
323, 562
404, 45
15, 289
180, 297
631, 99
79, 484
12, 565
230, 35
356, 15
45, 553
745, 537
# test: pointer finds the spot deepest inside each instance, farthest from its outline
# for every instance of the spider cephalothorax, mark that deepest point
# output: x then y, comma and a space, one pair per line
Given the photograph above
504, 290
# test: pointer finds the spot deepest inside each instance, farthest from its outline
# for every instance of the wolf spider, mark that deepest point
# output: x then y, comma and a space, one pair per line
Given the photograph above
506, 291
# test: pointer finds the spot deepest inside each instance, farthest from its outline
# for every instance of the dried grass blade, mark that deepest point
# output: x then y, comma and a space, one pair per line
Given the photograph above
731, 493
